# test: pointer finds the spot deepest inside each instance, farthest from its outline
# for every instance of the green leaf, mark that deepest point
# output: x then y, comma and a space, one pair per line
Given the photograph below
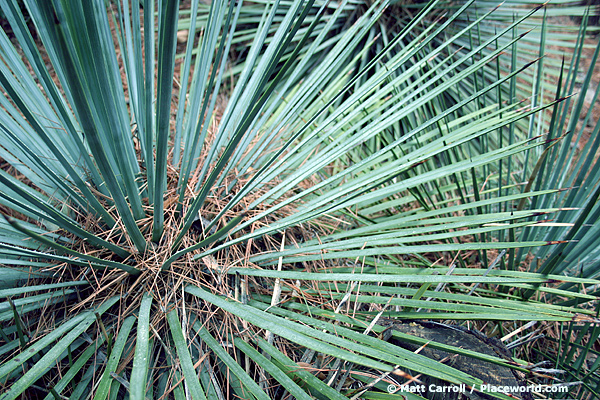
191, 376
166, 65
141, 359
113, 361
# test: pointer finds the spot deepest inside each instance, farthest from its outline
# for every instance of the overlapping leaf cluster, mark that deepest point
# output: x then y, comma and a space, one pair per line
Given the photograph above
229, 217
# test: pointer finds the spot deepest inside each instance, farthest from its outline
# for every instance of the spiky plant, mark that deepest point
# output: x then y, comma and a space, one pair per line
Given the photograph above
228, 223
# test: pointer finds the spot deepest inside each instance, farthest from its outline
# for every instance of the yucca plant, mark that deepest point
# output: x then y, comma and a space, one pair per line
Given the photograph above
237, 222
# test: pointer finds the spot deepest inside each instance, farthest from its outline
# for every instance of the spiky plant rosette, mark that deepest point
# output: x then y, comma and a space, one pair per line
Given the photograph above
158, 243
